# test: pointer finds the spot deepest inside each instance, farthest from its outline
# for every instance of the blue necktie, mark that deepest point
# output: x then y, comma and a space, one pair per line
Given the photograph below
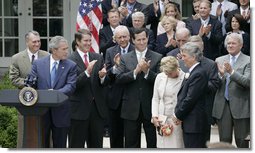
53, 73
232, 61
123, 51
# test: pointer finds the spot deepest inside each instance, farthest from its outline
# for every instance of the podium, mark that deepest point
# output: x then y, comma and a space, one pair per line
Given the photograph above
33, 131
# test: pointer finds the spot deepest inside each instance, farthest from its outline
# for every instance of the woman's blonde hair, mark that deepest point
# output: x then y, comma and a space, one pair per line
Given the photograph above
178, 14
172, 20
169, 64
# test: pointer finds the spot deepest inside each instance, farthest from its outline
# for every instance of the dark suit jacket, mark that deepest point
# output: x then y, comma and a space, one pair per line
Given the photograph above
66, 83
230, 14
160, 44
88, 89
137, 92
212, 44
190, 106
105, 39
173, 52
114, 91
213, 84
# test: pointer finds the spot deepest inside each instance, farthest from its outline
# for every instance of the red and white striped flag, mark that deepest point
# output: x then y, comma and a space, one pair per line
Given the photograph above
90, 17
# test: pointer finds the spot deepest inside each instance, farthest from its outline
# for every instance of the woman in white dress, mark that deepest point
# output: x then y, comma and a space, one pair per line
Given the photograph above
166, 88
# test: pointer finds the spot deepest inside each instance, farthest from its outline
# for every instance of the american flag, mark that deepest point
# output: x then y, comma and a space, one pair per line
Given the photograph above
90, 17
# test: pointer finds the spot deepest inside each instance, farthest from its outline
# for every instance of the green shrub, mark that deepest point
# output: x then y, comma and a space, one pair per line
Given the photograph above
8, 119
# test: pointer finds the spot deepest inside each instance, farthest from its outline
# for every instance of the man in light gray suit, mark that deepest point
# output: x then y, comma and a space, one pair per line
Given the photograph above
232, 101
21, 66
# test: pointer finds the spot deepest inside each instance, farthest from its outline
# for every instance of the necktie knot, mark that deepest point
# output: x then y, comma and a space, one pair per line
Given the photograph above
33, 58
123, 51
86, 60
233, 60
244, 13
53, 73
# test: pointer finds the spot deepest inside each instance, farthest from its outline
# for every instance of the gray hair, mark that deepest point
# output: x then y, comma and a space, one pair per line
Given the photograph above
121, 28
180, 31
235, 36
28, 34
54, 42
138, 14
198, 40
192, 50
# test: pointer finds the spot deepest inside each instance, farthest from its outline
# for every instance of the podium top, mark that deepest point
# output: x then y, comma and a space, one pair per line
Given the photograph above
48, 98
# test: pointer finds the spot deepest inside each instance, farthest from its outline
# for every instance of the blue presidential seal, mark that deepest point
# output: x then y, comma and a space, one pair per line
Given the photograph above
28, 96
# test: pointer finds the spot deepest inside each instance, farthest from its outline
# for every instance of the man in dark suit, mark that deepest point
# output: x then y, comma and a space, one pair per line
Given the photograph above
245, 11
88, 107
232, 101
106, 33
56, 72
213, 83
190, 109
115, 91
209, 29
137, 72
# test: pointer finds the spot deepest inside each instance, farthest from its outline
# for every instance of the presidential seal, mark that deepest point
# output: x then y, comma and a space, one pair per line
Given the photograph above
28, 96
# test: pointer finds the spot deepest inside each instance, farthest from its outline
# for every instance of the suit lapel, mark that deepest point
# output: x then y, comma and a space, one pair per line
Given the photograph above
133, 56
78, 60
26, 61
47, 70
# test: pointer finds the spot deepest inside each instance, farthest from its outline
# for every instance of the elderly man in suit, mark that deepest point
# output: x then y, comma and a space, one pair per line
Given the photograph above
115, 91
209, 28
137, 72
56, 72
191, 99
19, 69
232, 101
88, 106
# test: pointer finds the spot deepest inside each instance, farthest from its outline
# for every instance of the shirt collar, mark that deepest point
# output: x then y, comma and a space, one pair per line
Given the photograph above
52, 61
81, 53
246, 10
192, 67
236, 56
30, 54
126, 48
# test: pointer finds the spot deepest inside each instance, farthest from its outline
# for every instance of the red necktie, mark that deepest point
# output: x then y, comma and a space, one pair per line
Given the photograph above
86, 60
